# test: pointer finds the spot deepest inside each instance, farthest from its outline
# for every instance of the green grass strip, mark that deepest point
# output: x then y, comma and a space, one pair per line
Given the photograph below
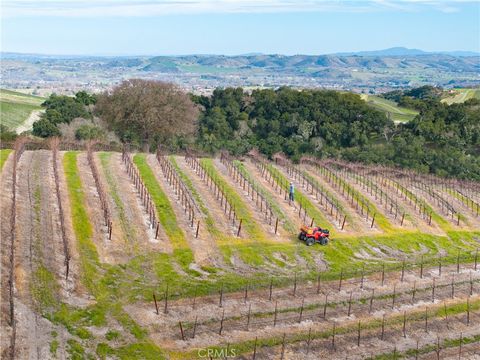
380, 220
4, 156
444, 224
165, 213
249, 224
82, 227
211, 227
127, 229
311, 209
287, 224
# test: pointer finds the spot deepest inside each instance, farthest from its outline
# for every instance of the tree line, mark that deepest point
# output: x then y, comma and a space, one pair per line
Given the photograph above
443, 139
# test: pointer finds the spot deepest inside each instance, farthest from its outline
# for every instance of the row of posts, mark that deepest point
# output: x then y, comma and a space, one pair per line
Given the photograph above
143, 192
375, 190
218, 192
322, 314
101, 192
54, 144
331, 206
351, 195
180, 189
18, 151
261, 202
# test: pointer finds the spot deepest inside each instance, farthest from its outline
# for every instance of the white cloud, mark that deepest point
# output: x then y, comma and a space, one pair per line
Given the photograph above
126, 8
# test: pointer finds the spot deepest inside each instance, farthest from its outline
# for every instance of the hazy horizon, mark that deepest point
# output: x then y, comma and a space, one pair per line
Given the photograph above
474, 53
221, 27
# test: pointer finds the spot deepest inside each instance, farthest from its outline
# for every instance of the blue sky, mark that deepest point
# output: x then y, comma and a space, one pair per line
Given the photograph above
173, 27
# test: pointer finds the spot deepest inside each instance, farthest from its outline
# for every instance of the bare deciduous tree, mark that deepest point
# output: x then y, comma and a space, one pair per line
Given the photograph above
150, 110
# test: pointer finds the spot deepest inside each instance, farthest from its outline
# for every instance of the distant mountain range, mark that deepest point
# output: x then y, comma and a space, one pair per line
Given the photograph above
360, 71
403, 51
393, 51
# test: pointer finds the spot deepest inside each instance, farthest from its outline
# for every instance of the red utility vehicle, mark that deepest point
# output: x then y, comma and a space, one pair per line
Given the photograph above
312, 235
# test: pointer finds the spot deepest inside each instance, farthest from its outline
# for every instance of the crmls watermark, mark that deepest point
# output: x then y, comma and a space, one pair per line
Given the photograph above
217, 353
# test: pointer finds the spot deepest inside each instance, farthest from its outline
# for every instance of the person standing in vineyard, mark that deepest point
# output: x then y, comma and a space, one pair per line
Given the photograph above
291, 192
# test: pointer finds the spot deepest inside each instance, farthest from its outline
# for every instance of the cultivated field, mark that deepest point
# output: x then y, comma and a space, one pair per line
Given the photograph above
15, 107
152, 256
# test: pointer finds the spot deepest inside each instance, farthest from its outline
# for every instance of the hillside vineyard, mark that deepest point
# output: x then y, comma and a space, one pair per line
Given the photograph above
167, 256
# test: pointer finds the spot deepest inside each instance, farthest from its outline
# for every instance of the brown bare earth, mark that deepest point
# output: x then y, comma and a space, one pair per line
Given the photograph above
38, 245
5, 206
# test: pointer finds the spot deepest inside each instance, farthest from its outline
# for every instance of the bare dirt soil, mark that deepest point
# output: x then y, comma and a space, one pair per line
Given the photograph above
5, 207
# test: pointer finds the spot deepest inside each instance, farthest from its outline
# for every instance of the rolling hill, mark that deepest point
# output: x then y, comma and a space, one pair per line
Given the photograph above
15, 107
398, 114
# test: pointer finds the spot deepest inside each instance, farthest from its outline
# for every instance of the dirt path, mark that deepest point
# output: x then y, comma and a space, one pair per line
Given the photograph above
5, 207
28, 123
204, 248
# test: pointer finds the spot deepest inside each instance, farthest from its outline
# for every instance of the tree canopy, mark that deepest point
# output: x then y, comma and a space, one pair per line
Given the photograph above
148, 112
62, 109
442, 139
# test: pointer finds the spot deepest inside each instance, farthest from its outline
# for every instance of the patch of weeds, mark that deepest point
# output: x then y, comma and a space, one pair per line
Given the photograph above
146, 351
112, 335
127, 229
54, 347
103, 350
165, 214
75, 349
4, 156
43, 288
82, 226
